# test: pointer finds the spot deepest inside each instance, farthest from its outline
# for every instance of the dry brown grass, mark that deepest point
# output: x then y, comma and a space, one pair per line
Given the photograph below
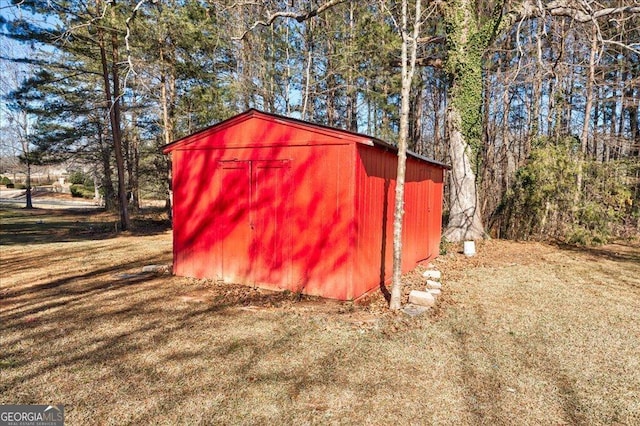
524, 334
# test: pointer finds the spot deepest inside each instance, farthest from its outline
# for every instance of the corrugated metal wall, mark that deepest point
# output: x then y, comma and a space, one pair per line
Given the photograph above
375, 204
239, 218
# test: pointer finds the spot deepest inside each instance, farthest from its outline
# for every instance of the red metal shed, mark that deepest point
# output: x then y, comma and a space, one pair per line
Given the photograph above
281, 203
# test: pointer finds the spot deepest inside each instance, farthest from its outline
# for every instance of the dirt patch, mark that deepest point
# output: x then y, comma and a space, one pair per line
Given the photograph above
524, 333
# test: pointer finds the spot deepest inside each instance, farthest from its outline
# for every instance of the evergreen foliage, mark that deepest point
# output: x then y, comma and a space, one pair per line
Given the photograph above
82, 191
544, 203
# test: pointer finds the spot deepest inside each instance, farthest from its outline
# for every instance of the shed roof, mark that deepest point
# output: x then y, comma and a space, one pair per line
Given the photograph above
332, 131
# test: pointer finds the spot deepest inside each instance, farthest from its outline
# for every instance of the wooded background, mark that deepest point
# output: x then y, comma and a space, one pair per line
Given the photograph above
544, 97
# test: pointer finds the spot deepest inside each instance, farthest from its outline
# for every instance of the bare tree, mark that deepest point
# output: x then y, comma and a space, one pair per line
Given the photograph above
410, 34
15, 119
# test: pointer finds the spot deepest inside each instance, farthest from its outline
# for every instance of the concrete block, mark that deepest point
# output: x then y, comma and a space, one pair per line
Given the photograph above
433, 284
432, 274
156, 269
421, 298
414, 310
435, 292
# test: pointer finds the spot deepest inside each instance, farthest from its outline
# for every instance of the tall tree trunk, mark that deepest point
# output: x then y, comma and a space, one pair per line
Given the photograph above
571, 87
490, 157
130, 147
635, 131
506, 155
557, 100
598, 118
584, 137
167, 100
438, 145
133, 164
634, 125
331, 89
27, 158
287, 89
244, 72
408, 59
465, 220
105, 156
307, 74
463, 122
29, 204
114, 117
352, 93
416, 115
117, 132
536, 95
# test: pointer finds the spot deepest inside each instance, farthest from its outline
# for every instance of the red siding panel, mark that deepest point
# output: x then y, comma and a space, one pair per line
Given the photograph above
375, 201
375, 204
275, 217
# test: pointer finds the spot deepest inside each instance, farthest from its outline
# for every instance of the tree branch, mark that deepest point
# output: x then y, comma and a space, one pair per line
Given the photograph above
578, 10
570, 10
128, 22
298, 16
426, 61
432, 39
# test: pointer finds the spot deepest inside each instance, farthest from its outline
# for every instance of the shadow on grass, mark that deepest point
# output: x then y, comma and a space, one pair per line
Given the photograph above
627, 253
487, 386
59, 308
39, 226
100, 324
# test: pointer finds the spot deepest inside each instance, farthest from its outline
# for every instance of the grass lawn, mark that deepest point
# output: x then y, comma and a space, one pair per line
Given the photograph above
524, 333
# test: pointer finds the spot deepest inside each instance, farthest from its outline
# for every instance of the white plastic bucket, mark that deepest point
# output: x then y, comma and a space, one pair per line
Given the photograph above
469, 248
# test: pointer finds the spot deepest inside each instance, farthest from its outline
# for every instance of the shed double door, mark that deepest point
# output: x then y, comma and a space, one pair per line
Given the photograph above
253, 236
